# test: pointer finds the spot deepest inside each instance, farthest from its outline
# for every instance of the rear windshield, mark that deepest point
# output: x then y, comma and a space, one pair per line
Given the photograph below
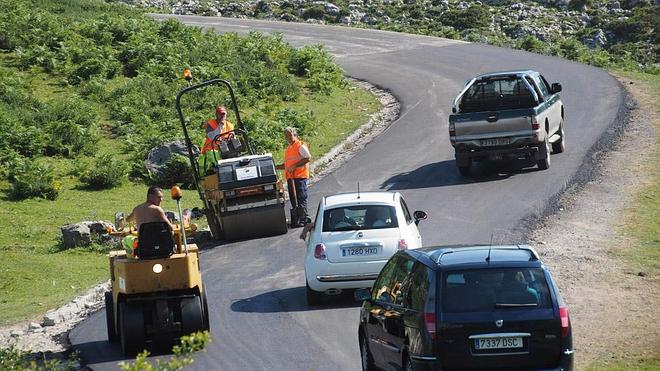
485, 290
359, 217
496, 94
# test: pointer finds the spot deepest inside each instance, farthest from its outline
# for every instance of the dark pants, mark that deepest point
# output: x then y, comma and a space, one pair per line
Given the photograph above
301, 193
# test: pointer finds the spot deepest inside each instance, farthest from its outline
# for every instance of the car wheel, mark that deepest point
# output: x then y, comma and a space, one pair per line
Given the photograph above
365, 355
560, 145
313, 297
407, 365
544, 163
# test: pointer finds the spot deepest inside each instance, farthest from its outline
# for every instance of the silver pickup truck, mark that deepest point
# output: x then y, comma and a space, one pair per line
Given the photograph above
507, 115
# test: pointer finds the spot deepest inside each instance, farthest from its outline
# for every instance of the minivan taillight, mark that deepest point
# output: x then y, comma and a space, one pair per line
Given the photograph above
403, 245
319, 252
563, 316
429, 322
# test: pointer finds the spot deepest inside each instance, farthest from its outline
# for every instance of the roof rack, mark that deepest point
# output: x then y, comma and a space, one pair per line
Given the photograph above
442, 254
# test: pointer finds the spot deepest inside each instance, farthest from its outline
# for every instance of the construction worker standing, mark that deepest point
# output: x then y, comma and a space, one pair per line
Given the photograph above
296, 170
214, 127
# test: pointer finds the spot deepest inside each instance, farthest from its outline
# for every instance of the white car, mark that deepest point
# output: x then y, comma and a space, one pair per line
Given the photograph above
354, 235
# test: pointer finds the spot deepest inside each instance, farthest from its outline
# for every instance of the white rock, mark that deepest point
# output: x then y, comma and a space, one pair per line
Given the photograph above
34, 326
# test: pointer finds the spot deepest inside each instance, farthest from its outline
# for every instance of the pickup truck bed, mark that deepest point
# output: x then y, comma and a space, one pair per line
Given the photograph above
508, 114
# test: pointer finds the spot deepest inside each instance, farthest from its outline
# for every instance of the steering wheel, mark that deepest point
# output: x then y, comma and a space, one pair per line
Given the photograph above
227, 135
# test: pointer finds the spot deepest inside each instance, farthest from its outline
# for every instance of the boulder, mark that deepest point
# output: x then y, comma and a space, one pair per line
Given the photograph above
332, 9
80, 234
596, 39
158, 157
75, 235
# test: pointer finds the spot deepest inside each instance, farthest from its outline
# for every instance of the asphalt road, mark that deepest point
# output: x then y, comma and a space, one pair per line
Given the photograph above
256, 289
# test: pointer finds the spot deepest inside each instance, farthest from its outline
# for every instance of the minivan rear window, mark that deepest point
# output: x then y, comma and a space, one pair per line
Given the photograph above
485, 290
359, 217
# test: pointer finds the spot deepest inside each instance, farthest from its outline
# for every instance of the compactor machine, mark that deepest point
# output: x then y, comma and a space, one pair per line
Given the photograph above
157, 295
243, 196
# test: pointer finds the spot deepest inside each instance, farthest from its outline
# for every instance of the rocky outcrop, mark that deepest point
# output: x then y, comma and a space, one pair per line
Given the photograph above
159, 156
80, 234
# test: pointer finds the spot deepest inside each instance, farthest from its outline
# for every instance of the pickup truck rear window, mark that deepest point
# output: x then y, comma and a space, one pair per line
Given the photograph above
485, 290
496, 95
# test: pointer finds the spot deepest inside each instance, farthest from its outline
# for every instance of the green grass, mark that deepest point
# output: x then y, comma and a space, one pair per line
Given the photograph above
34, 278
627, 365
643, 217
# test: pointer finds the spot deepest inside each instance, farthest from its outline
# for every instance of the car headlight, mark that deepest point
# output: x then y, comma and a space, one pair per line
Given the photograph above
157, 268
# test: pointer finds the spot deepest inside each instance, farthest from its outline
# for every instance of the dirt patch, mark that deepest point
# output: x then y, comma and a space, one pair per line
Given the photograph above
614, 307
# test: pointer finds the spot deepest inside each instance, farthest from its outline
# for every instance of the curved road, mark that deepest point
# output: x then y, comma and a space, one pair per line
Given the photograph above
259, 316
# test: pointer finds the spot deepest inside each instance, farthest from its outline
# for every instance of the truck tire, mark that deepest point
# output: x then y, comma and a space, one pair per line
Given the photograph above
110, 318
560, 145
544, 151
313, 297
464, 166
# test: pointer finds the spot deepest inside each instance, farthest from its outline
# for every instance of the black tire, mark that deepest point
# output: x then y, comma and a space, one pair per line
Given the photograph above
560, 145
544, 150
131, 324
110, 318
214, 226
192, 318
464, 170
205, 307
313, 297
366, 358
407, 363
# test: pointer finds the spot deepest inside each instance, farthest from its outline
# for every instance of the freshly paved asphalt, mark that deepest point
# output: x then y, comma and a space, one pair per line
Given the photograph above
256, 289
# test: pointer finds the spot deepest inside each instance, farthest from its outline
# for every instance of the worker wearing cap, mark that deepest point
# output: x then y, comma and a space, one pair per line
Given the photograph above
214, 127
296, 166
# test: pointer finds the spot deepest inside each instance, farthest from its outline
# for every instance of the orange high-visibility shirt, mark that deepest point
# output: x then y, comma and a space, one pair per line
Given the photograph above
291, 156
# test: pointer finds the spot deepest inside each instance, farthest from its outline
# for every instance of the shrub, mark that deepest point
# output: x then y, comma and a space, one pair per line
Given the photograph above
104, 173
316, 64
531, 44
314, 12
30, 179
176, 170
476, 16
70, 125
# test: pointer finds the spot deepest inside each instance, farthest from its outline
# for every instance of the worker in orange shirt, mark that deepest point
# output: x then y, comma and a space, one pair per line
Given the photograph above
296, 170
214, 127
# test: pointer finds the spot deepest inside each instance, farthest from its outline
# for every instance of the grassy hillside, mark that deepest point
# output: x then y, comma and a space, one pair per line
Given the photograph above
87, 89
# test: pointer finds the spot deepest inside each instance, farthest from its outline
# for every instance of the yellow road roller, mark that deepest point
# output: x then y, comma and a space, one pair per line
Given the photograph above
157, 296
242, 194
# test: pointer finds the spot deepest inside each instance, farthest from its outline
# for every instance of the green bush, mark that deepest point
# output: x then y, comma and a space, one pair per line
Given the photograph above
182, 355
176, 170
531, 44
314, 12
105, 172
30, 179
316, 64
476, 16
70, 125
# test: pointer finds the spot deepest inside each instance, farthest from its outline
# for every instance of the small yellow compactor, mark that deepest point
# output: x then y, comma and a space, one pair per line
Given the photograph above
157, 296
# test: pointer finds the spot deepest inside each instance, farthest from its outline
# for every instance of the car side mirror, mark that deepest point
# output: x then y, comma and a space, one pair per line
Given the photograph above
420, 215
361, 295
453, 110
556, 87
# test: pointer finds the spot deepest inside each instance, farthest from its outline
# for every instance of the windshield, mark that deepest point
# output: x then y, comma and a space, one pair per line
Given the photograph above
483, 290
359, 217
497, 94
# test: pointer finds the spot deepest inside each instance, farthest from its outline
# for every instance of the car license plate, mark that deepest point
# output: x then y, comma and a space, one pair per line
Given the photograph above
498, 343
359, 251
495, 142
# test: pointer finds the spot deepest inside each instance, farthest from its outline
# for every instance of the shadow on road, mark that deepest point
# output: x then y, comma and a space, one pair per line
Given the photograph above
291, 300
445, 173
95, 352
